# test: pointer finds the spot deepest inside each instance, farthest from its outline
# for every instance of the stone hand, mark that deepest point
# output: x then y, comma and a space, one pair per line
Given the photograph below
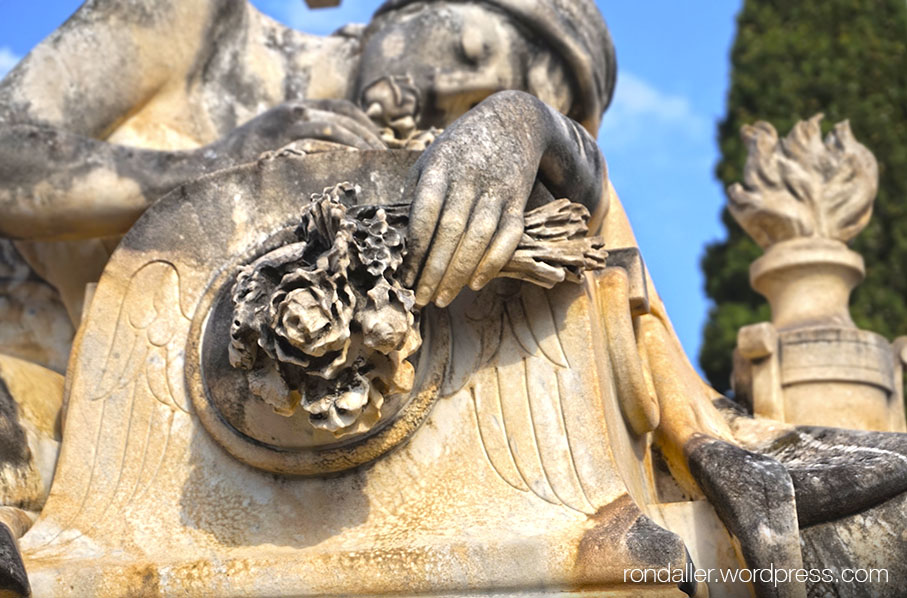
471, 187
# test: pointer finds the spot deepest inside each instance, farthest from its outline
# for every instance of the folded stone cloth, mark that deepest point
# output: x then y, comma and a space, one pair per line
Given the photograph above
575, 30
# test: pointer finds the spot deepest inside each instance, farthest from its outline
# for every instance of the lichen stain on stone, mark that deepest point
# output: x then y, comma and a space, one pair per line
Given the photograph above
142, 581
13, 446
649, 542
393, 45
227, 524
621, 537
599, 545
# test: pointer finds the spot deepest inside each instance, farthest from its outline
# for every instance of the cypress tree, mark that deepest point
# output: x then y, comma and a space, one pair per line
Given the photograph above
790, 60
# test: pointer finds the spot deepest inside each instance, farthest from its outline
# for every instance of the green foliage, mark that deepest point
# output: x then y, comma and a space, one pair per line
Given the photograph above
847, 59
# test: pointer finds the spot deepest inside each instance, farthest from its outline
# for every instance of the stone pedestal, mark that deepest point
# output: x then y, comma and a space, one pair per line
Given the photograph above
839, 377
802, 199
808, 282
811, 365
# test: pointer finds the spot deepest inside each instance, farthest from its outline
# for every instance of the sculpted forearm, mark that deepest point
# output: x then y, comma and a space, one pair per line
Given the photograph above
473, 185
572, 165
111, 57
57, 185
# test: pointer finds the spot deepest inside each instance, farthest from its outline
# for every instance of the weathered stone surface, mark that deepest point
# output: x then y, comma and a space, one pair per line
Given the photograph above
836, 472
34, 324
13, 578
571, 522
540, 435
870, 544
754, 496
30, 403
31, 398
842, 480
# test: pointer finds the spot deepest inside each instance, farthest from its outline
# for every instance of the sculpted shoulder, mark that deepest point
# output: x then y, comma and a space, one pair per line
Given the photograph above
169, 75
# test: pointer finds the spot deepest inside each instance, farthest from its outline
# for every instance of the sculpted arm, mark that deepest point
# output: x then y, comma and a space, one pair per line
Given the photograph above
473, 184
56, 178
55, 184
58, 185
113, 60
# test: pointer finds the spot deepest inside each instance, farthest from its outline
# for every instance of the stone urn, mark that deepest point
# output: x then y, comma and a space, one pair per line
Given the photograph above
802, 200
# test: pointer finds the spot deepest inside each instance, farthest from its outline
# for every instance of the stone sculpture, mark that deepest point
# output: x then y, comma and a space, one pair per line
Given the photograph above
802, 201
359, 341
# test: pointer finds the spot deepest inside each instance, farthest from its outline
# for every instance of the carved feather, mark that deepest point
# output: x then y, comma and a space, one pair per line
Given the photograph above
516, 376
140, 394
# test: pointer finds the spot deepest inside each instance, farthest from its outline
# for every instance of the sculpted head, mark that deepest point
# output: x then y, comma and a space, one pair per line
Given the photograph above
436, 59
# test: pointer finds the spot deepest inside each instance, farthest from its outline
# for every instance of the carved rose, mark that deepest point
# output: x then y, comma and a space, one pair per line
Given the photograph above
339, 403
306, 319
312, 321
329, 316
387, 317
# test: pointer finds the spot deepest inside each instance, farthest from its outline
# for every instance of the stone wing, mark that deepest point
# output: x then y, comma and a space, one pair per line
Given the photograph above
507, 352
145, 358
132, 405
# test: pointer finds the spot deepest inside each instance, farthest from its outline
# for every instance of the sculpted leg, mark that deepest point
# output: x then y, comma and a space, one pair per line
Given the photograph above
34, 323
30, 404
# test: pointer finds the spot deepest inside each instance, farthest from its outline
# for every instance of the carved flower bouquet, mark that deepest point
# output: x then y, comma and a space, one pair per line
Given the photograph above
323, 324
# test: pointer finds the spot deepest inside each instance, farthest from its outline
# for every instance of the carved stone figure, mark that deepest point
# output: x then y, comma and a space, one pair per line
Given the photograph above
356, 340
802, 201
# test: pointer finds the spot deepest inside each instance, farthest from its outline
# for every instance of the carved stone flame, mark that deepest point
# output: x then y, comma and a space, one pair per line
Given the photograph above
323, 324
799, 187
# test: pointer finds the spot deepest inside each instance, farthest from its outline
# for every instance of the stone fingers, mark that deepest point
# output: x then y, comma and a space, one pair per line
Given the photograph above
345, 108
327, 131
506, 239
424, 212
483, 223
342, 119
451, 227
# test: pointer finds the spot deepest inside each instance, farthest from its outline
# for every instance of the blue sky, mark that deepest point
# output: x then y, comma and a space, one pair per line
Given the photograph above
658, 136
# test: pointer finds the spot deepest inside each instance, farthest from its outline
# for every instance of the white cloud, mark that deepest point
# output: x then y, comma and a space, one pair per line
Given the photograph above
7, 61
641, 109
636, 97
